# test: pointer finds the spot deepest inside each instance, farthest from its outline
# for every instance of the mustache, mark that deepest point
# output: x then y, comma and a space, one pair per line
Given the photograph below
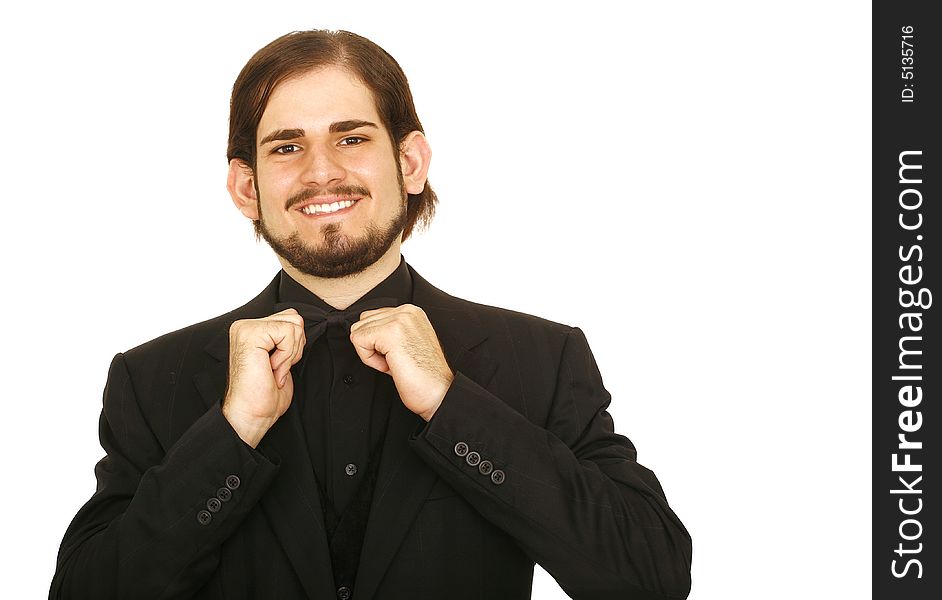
311, 193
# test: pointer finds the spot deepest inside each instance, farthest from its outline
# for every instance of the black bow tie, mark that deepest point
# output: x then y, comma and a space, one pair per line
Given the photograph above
316, 318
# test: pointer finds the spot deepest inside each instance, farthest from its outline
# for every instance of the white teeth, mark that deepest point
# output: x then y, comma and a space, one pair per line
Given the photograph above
312, 209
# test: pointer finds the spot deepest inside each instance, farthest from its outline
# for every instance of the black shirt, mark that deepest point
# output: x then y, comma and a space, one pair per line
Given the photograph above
344, 406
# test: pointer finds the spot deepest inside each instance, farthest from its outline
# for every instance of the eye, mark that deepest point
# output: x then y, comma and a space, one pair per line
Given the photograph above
286, 149
352, 140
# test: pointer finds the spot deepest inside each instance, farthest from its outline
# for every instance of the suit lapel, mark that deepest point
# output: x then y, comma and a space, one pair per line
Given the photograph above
404, 480
292, 505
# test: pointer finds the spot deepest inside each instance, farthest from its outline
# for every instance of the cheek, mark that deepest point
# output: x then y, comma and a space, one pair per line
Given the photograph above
381, 176
364, 169
376, 167
273, 187
274, 180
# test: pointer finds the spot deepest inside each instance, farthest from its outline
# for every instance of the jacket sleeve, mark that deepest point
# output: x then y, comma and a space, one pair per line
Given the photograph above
154, 527
570, 492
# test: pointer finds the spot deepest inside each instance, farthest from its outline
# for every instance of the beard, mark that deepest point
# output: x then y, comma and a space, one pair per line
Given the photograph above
340, 255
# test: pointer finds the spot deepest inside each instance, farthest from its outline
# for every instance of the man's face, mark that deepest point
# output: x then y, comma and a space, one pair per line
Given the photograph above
328, 186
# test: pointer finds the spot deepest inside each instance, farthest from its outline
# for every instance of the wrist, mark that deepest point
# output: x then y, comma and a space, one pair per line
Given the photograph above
250, 429
440, 397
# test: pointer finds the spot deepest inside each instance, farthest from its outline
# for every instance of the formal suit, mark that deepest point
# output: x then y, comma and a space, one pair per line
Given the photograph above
519, 464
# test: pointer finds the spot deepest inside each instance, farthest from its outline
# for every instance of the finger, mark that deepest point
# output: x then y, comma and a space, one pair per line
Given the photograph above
302, 344
285, 334
286, 317
279, 357
406, 313
402, 308
279, 367
298, 345
289, 315
365, 346
281, 371
376, 311
282, 378
284, 338
297, 352
372, 358
374, 320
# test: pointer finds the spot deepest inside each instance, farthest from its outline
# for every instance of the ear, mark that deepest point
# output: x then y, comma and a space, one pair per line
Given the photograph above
241, 186
414, 157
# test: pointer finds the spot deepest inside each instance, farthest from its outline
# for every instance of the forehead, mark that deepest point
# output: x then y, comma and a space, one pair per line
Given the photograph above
315, 99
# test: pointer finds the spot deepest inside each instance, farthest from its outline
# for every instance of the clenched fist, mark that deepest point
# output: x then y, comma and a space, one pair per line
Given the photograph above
261, 354
400, 341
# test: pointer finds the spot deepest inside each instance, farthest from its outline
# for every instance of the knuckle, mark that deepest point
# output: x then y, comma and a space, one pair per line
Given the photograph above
415, 311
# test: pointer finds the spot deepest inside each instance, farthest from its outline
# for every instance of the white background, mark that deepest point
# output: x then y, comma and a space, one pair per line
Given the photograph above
687, 182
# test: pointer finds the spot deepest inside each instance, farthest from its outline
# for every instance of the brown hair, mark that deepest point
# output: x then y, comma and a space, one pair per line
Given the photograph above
301, 51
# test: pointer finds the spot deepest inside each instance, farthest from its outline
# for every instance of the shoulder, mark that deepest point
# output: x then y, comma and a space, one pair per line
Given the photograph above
498, 323
497, 317
194, 334
208, 333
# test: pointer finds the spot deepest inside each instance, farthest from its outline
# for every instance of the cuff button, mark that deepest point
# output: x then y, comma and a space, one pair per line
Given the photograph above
224, 494
233, 482
485, 467
497, 477
473, 458
461, 449
204, 517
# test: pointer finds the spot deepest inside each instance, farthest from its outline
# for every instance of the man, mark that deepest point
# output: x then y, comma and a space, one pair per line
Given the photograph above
354, 432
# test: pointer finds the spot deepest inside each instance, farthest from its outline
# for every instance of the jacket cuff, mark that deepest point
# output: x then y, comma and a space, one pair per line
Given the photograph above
458, 442
218, 478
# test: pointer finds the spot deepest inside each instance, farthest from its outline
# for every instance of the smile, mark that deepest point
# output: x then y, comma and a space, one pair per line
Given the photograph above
318, 209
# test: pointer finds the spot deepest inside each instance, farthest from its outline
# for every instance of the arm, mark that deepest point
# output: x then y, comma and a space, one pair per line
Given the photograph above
572, 494
140, 536
155, 527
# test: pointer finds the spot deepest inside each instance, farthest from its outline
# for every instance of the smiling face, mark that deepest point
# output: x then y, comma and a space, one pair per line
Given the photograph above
327, 192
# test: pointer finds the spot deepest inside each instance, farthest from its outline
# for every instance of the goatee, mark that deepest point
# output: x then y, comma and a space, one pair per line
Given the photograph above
340, 254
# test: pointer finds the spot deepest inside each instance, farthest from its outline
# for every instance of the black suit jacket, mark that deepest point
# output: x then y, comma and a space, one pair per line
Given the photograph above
527, 399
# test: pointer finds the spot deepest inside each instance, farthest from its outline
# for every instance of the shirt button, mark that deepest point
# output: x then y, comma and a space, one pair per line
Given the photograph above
348, 379
461, 449
497, 477
473, 458
204, 517
485, 467
233, 482
213, 504
224, 494
344, 593
350, 469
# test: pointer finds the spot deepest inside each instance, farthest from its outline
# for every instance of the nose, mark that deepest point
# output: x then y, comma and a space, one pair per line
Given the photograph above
324, 167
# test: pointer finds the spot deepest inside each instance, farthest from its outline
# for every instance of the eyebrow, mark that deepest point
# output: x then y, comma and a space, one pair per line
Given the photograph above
282, 135
345, 126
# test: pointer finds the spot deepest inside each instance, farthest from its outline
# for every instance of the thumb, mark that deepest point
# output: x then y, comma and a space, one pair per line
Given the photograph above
368, 353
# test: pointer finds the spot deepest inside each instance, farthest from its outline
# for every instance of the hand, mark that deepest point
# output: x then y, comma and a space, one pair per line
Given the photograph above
261, 354
400, 341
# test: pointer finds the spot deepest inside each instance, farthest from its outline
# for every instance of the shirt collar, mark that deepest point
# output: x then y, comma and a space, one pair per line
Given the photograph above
398, 285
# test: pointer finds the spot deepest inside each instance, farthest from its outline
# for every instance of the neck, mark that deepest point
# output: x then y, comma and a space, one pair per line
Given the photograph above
341, 292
